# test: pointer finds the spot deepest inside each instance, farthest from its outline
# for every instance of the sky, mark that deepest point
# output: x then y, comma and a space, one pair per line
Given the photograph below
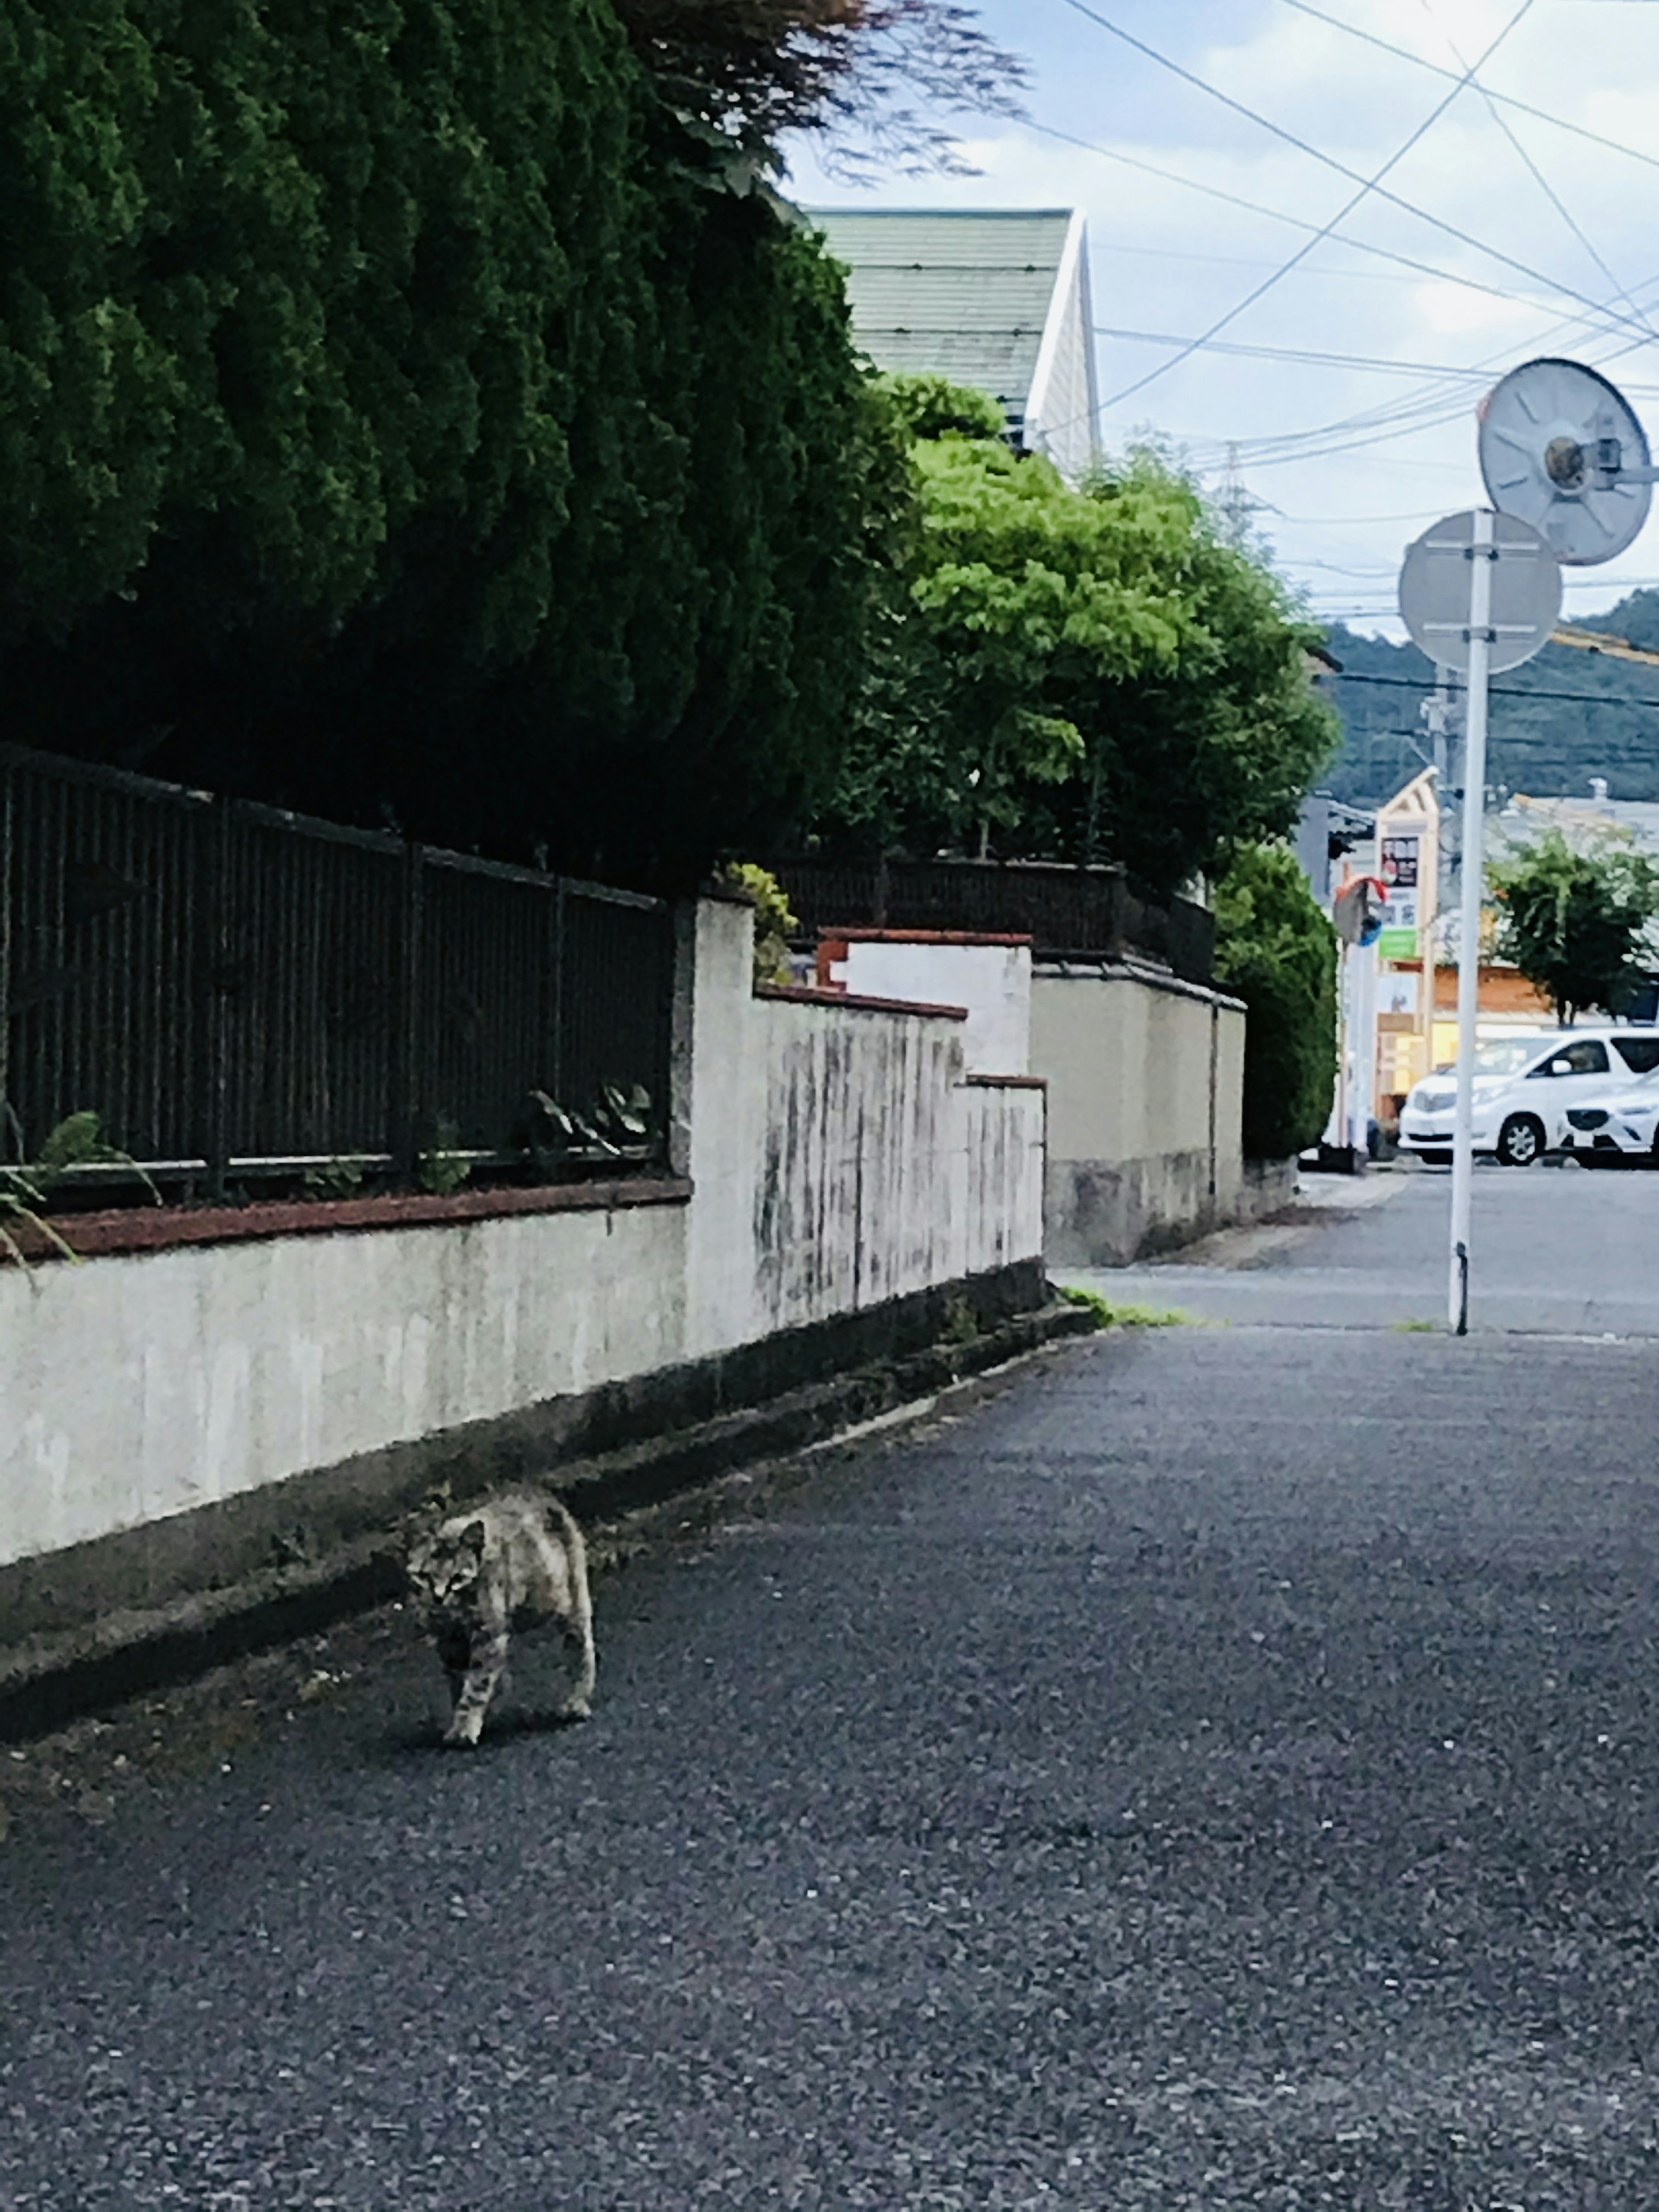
1350, 458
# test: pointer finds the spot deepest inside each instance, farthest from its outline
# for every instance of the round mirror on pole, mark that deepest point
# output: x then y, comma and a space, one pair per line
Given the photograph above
1561, 448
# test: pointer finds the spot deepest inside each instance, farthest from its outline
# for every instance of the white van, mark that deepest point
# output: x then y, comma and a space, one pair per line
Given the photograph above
1523, 1087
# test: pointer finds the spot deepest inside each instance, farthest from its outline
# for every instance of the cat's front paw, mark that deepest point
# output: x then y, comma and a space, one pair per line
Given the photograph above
575, 1709
462, 1732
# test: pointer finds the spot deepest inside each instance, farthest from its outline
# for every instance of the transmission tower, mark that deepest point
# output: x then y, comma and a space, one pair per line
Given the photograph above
1234, 504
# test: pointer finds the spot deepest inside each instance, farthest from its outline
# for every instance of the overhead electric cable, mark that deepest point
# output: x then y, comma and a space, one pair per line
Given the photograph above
1292, 222
1476, 375
1329, 162
1503, 690
1563, 323
1367, 185
1504, 99
1537, 174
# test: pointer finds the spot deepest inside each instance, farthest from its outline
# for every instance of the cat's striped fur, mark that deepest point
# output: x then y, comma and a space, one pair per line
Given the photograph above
514, 1561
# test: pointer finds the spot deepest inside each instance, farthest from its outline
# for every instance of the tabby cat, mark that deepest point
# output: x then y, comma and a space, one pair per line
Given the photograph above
513, 1561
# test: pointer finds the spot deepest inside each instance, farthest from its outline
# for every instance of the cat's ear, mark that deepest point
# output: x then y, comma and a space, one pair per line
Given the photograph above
471, 1541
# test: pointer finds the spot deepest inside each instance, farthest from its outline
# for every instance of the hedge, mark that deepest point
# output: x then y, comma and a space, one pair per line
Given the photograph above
1276, 951
401, 416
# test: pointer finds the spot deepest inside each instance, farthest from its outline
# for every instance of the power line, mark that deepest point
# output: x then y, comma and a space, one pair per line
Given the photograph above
1313, 360
1367, 185
1503, 690
1329, 162
1292, 221
1561, 323
1537, 174
1099, 246
1504, 99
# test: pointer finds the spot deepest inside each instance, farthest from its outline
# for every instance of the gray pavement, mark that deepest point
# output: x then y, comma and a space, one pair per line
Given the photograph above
1219, 1769
1565, 1251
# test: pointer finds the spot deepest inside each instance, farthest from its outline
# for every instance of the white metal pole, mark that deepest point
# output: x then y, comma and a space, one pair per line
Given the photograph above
1482, 555
1363, 966
1339, 1121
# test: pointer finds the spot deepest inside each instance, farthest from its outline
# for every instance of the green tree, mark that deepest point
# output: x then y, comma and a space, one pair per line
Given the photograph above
1575, 919
1275, 948
1082, 674
846, 70
402, 416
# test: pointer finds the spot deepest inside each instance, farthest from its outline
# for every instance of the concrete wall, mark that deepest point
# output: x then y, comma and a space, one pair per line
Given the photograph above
1144, 1073
990, 976
838, 1159
1145, 1089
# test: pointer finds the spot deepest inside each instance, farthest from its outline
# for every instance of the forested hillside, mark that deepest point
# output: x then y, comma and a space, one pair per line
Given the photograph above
1542, 745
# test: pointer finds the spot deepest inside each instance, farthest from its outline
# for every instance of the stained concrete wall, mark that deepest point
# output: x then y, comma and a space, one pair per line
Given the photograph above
838, 1159
1146, 1087
835, 1141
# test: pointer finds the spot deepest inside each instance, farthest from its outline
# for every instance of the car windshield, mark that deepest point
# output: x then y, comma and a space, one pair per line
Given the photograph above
1497, 1056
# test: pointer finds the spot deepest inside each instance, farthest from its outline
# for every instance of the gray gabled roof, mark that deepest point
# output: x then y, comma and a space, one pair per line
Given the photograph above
966, 296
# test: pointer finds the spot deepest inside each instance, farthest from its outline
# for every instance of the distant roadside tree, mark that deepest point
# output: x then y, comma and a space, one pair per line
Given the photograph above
1575, 919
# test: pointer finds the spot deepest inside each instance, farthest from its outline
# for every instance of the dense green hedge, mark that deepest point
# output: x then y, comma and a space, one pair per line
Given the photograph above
401, 416
1276, 949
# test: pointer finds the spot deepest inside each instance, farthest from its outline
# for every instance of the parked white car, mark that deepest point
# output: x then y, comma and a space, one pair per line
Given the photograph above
1620, 1124
1525, 1087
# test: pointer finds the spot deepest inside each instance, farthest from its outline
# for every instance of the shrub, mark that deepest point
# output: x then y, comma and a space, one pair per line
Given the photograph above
1276, 949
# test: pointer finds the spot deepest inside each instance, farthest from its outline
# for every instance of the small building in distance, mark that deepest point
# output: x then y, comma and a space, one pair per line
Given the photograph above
997, 300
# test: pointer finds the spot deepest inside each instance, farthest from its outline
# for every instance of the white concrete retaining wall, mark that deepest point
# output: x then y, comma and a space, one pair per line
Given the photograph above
1145, 1080
838, 1159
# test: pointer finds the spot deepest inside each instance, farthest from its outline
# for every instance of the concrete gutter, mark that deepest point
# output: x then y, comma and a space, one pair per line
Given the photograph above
49, 1681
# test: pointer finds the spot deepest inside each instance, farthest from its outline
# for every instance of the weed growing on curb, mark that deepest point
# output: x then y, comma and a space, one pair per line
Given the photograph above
1107, 1316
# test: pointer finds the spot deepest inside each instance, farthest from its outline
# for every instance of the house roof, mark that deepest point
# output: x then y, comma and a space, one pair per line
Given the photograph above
966, 296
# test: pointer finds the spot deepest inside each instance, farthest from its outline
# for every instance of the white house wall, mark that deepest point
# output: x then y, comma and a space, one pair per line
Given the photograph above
991, 981
1062, 410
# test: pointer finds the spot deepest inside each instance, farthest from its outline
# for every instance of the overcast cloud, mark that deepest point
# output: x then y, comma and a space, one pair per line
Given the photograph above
1171, 261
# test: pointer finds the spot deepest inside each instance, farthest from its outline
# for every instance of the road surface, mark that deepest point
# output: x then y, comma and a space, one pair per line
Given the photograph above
1219, 1769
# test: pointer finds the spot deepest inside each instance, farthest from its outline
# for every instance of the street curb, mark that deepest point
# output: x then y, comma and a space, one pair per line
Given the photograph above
49, 1681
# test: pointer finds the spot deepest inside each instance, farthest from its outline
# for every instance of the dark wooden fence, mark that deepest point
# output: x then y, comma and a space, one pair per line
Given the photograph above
1087, 912
238, 991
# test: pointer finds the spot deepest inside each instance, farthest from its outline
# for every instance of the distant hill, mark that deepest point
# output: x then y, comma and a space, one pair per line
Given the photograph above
1547, 747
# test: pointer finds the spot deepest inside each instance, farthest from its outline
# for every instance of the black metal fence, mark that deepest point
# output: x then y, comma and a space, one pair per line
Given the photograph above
1087, 912
237, 991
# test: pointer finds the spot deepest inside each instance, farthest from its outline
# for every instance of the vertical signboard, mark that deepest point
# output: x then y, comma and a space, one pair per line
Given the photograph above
1399, 865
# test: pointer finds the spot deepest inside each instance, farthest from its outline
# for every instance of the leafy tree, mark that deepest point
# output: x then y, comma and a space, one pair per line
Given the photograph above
1275, 948
751, 69
1082, 674
1575, 920
402, 416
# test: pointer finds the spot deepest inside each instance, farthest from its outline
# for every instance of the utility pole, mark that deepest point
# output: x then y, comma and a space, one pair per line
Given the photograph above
1439, 712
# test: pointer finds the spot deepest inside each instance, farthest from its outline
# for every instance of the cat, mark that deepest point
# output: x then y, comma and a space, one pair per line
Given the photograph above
514, 1560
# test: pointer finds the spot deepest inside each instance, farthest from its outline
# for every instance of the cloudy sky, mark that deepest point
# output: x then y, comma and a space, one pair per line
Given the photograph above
1356, 452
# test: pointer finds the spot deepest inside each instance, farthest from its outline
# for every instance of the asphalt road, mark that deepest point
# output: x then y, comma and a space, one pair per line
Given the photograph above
1554, 1251
1219, 1770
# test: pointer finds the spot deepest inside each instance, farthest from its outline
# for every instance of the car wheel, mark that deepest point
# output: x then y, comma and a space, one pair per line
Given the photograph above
1519, 1141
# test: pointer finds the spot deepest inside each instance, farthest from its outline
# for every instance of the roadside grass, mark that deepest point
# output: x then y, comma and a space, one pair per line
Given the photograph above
1108, 1315
1414, 1328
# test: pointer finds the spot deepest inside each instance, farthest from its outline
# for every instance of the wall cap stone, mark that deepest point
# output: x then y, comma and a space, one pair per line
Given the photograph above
167, 1228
